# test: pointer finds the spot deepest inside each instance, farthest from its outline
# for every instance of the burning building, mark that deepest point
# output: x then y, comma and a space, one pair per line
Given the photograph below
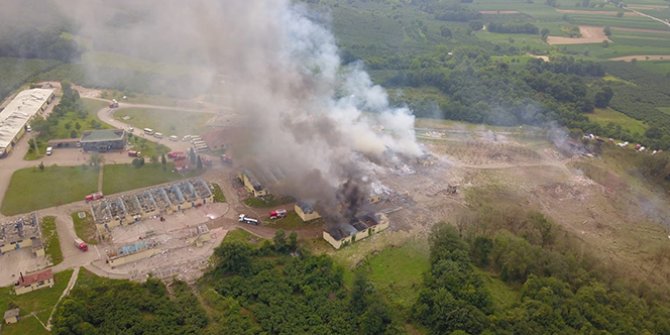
306, 211
252, 184
360, 228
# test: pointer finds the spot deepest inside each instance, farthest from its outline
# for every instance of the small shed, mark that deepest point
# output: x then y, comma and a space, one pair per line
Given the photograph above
12, 316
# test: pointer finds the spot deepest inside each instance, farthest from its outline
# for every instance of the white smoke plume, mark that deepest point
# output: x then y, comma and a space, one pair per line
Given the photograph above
308, 124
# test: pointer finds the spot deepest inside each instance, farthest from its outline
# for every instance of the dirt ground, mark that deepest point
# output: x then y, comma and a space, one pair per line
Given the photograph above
641, 58
590, 34
638, 30
620, 223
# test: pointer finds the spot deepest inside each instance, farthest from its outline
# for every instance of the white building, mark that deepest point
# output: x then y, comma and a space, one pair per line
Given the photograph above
14, 118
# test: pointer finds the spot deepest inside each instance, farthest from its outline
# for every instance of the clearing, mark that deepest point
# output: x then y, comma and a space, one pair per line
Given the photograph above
590, 34
608, 115
31, 189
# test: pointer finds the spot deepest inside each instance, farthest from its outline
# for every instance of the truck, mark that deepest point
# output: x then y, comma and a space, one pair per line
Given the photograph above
277, 214
94, 196
245, 219
80, 244
114, 104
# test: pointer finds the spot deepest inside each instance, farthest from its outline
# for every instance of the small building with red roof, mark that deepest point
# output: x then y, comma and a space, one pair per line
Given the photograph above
34, 281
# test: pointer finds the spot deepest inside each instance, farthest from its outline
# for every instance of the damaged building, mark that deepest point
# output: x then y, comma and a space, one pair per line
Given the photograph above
360, 228
21, 232
163, 200
306, 211
132, 252
251, 184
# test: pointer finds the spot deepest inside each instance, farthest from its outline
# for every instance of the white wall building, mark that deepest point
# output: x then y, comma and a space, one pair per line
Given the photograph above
17, 114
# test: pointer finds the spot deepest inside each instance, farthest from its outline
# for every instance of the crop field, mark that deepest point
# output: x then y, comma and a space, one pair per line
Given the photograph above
168, 122
606, 116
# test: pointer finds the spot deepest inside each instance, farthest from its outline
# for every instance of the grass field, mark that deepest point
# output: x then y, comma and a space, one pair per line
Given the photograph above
292, 221
124, 177
502, 295
656, 66
267, 201
148, 148
218, 193
606, 116
39, 302
85, 228
168, 122
398, 272
243, 236
31, 189
50, 238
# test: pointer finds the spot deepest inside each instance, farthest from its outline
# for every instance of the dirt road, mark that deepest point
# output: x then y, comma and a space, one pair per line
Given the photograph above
641, 58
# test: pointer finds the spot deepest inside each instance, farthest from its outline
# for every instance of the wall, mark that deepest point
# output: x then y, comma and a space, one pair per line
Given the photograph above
35, 286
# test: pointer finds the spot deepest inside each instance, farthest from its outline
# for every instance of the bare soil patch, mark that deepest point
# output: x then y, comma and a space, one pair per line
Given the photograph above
594, 12
590, 34
641, 58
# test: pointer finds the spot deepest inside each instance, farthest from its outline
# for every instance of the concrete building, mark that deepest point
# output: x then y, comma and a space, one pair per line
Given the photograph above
34, 281
133, 207
21, 232
12, 316
131, 253
15, 117
361, 228
305, 211
252, 184
103, 140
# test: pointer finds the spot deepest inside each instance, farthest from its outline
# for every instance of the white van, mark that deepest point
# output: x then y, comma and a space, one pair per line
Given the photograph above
158, 135
148, 131
50, 150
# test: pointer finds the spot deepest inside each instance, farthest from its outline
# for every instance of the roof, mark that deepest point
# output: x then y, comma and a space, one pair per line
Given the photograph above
19, 229
32, 278
103, 135
17, 113
253, 180
307, 207
12, 313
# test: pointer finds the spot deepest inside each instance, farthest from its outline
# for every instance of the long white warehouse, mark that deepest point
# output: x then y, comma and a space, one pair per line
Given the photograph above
15, 117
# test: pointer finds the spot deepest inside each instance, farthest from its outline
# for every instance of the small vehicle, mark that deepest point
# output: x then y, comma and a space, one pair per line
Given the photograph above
133, 153
114, 104
245, 219
158, 135
94, 196
173, 138
277, 214
131, 129
29, 128
50, 150
148, 131
80, 244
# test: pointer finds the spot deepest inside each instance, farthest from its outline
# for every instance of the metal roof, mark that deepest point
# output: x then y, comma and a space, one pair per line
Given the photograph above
103, 135
17, 113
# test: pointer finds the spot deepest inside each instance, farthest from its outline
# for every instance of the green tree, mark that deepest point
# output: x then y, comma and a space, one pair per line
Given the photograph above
608, 31
233, 258
280, 241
